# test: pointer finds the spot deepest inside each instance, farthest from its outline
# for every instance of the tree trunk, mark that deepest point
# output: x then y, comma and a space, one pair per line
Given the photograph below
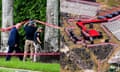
7, 20
51, 34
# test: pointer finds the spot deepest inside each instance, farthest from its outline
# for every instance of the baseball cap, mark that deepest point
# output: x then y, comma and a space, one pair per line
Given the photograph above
31, 22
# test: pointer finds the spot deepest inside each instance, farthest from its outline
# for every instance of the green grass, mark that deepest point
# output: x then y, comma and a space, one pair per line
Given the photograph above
4, 70
44, 67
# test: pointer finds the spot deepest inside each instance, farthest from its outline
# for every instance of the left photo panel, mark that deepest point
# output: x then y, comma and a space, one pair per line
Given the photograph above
29, 36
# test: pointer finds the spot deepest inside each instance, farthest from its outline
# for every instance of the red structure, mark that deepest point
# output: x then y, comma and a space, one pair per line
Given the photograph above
93, 33
89, 34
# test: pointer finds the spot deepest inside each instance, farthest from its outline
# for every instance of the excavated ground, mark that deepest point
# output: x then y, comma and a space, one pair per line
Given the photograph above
80, 57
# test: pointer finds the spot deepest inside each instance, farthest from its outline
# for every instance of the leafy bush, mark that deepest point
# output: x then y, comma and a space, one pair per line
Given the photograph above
30, 9
33, 9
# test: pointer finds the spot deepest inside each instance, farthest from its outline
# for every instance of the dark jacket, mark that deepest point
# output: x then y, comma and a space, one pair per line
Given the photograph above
30, 30
37, 34
13, 37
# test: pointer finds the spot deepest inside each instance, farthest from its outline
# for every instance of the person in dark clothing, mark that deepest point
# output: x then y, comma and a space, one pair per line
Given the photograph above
13, 43
30, 28
37, 43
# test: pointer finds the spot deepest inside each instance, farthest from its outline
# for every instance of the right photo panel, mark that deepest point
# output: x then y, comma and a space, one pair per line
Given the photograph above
90, 35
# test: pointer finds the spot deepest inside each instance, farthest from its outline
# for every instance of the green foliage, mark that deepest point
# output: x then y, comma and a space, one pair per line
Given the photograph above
33, 9
29, 9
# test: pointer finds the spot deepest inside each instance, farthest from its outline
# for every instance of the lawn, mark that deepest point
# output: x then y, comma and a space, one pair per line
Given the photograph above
4, 70
15, 63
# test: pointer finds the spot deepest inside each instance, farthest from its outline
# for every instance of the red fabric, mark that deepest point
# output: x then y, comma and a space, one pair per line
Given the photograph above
93, 33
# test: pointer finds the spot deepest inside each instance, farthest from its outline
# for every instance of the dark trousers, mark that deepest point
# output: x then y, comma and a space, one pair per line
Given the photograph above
11, 49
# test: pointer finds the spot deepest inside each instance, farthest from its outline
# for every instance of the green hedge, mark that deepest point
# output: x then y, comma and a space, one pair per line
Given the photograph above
32, 9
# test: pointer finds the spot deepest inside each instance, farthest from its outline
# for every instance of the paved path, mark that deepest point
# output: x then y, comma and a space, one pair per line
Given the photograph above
17, 70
